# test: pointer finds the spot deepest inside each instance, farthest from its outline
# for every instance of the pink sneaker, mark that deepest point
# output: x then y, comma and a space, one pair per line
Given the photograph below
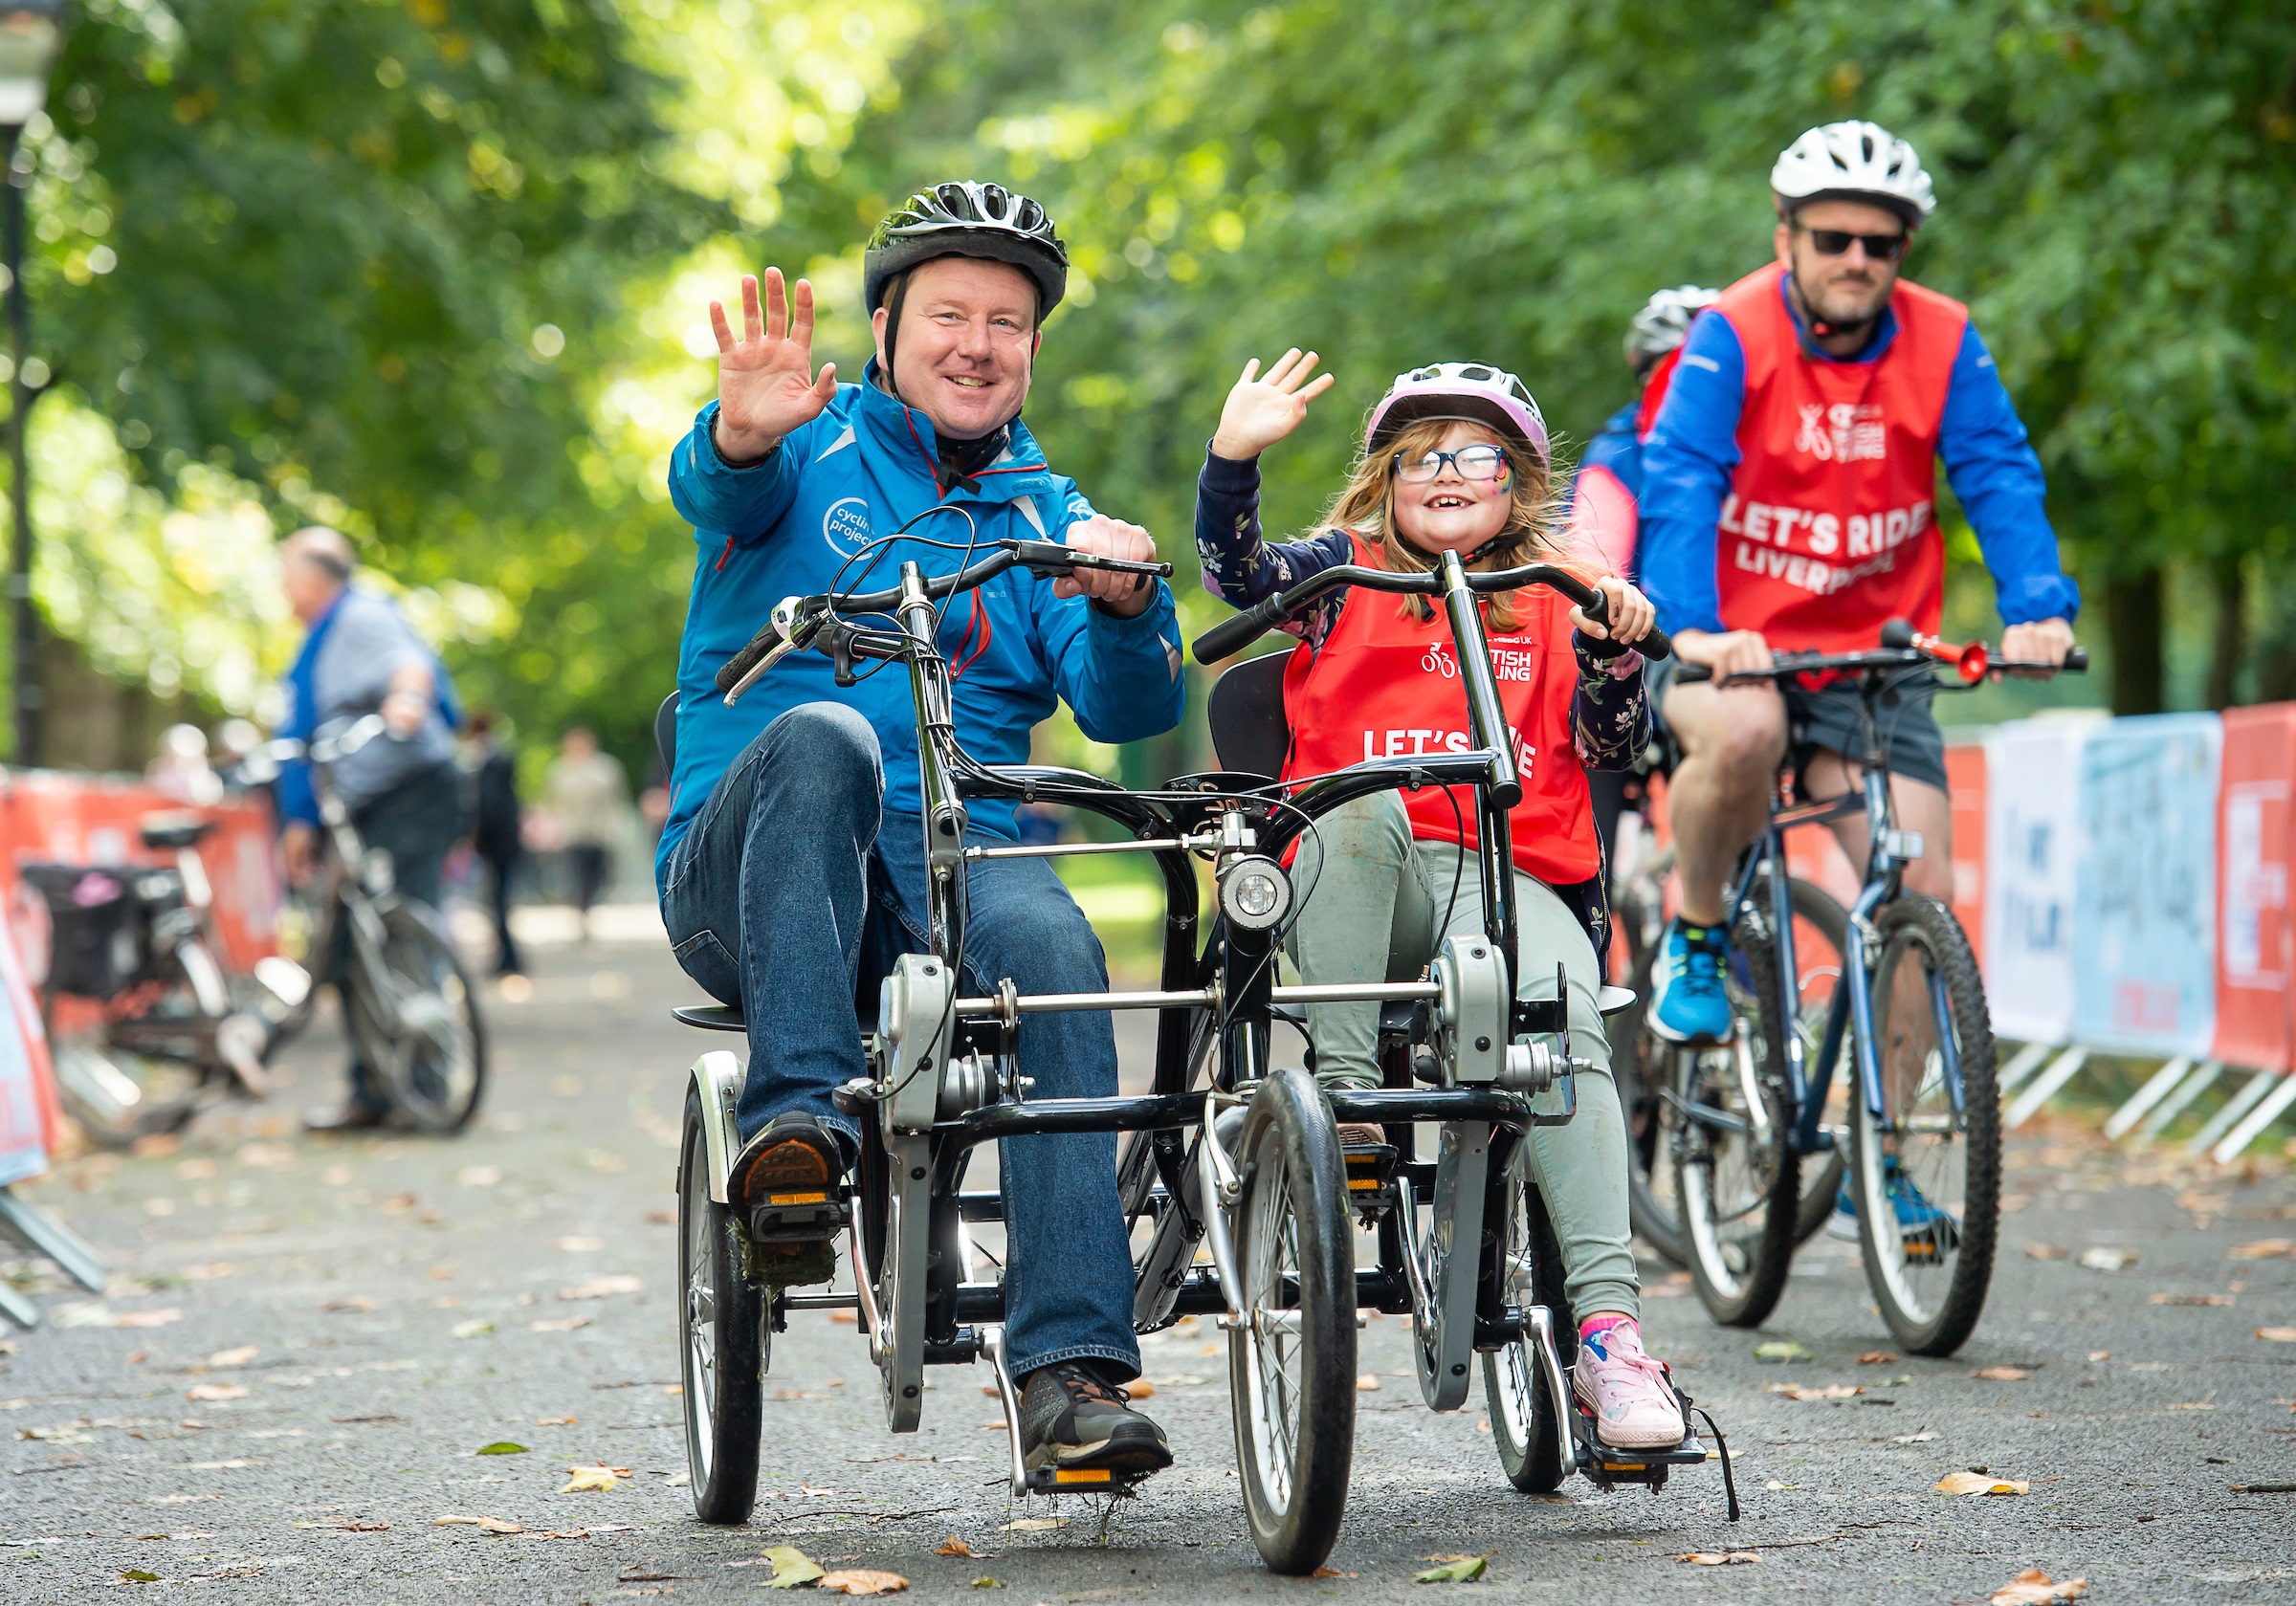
1633, 1406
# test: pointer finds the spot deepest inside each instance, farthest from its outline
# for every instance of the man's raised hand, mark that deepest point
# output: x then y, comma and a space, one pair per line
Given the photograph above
1260, 411
765, 384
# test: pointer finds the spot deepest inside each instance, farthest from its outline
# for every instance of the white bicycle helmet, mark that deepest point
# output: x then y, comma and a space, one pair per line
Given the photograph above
1665, 322
1853, 162
1476, 392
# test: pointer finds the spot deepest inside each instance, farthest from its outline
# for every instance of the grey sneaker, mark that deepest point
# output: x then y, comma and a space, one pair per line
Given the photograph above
1070, 1419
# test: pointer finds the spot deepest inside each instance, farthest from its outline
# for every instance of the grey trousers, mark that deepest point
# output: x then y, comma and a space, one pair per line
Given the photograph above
1379, 905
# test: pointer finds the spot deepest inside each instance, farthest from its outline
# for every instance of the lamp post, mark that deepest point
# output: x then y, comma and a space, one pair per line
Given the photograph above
31, 32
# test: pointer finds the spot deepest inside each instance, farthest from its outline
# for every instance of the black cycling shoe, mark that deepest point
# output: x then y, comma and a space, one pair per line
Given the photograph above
1072, 1420
788, 1188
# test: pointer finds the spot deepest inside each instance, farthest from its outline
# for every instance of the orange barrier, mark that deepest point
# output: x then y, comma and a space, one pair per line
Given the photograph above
2256, 832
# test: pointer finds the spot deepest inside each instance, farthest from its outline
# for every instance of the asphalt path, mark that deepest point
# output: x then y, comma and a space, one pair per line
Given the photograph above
307, 1342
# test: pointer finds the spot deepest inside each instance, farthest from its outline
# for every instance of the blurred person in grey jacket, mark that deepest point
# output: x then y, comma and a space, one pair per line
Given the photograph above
588, 796
359, 656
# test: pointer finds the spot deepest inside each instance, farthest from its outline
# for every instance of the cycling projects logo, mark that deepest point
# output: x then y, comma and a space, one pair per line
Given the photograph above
845, 526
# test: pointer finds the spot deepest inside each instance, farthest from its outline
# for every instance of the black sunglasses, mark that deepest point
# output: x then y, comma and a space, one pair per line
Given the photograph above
1834, 242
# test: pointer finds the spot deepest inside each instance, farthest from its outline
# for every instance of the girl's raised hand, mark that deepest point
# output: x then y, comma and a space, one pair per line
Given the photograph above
1261, 412
1631, 613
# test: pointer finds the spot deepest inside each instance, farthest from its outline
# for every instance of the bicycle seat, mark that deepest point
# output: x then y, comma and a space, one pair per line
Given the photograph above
174, 830
1245, 711
711, 1016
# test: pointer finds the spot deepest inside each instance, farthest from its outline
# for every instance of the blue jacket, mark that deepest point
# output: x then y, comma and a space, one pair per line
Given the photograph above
786, 527
1693, 448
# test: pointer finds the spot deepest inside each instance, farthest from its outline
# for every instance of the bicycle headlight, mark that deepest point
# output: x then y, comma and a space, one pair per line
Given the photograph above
1256, 894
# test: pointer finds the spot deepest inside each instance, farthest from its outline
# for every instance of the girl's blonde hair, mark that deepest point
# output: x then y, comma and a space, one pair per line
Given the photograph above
1533, 532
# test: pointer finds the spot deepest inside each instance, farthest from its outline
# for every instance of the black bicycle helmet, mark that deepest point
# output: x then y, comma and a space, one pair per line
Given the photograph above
966, 218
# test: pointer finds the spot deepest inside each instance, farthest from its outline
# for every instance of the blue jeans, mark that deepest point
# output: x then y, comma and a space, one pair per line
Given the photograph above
789, 894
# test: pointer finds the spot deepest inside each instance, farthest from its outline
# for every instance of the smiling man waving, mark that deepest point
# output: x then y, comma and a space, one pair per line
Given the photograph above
793, 863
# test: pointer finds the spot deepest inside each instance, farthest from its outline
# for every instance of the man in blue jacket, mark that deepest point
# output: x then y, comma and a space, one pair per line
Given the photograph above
794, 851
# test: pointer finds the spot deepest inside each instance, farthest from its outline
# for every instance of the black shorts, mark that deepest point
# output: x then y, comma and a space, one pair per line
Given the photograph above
1827, 720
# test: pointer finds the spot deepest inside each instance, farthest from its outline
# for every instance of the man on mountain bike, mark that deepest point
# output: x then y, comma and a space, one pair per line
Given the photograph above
1789, 502
1606, 492
792, 865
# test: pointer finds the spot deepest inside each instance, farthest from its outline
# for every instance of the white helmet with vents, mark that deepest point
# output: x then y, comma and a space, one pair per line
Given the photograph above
1853, 162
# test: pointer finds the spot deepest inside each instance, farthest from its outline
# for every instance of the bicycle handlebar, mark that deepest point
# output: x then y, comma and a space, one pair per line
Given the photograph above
2076, 662
1232, 635
799, 617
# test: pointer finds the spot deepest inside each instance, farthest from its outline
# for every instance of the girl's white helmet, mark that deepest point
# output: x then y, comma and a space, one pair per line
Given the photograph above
1853, 162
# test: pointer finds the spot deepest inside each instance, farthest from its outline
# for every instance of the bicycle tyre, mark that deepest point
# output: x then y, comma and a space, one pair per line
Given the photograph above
724, 1344
1740, 1277
434, 1078
1293, 1385
1655, 1218
1514, 1385
1914, 925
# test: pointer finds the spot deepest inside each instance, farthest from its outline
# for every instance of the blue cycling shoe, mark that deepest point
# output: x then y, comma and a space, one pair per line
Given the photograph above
1687, 1003
1926, 1231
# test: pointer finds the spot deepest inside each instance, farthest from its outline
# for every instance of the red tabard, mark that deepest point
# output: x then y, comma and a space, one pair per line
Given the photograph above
1386, 686
1829, 529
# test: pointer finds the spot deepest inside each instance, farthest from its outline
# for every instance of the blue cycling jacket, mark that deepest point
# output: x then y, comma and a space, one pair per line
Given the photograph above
791, 525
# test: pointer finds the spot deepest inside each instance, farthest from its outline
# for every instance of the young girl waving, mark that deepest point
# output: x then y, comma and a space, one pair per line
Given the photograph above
1456, 460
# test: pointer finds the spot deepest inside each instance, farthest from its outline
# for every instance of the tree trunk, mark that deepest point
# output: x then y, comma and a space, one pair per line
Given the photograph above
2132, 614
2232, 633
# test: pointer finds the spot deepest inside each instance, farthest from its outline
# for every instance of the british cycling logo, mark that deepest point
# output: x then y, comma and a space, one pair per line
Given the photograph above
1438, 660
1508, 661
846, 526
1843, 433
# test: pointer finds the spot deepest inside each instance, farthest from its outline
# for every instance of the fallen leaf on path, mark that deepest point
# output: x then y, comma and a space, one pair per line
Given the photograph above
2033, 1588
484, 1525
1876, 1358
2105, 1258
1036, 1525
477, 1328
1330, 1572
791, 1567
2189, 1299
500, 1447
1922, 1438
2277, 1335
1781, 1351
2002, 1374
238, 1356
1801, 1391
845, 1318
554, 1422
210, 1270
861, 1581
954, 1548
217, 1465
1367, 1383
137, 1575
2264, 1249
149, 1318
356, 1302
1977, 1483
216, 1392
579, 1245
478, 1176
2045, 1252
1721, 1558
1455, 1569
563, 1324
600, 1480
603, 1287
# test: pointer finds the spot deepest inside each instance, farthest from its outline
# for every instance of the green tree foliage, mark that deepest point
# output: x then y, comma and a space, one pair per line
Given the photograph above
1401, 184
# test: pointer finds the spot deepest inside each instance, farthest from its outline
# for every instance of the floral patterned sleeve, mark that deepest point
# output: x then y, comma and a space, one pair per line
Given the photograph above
1241, 567
1610, 712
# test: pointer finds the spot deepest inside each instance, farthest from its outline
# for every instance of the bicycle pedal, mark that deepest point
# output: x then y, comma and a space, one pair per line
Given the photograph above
802, 1215
1085, 1480
1371, 1175
1609, 1464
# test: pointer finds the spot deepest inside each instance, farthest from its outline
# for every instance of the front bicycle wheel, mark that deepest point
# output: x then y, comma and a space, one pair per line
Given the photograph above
1734, 1172
723, 1341
1927, 1166
416, 1018
1292, 1365
1523, 1411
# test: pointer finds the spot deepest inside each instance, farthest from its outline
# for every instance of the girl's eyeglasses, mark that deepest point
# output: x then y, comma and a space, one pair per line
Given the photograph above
1472, 462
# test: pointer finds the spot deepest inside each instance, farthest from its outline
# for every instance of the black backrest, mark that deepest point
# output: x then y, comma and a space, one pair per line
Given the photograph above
665, 734
1245, 711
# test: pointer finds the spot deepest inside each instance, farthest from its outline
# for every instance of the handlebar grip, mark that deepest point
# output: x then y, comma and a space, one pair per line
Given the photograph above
1693, 674
2076, 661
1232, 635
730, 673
